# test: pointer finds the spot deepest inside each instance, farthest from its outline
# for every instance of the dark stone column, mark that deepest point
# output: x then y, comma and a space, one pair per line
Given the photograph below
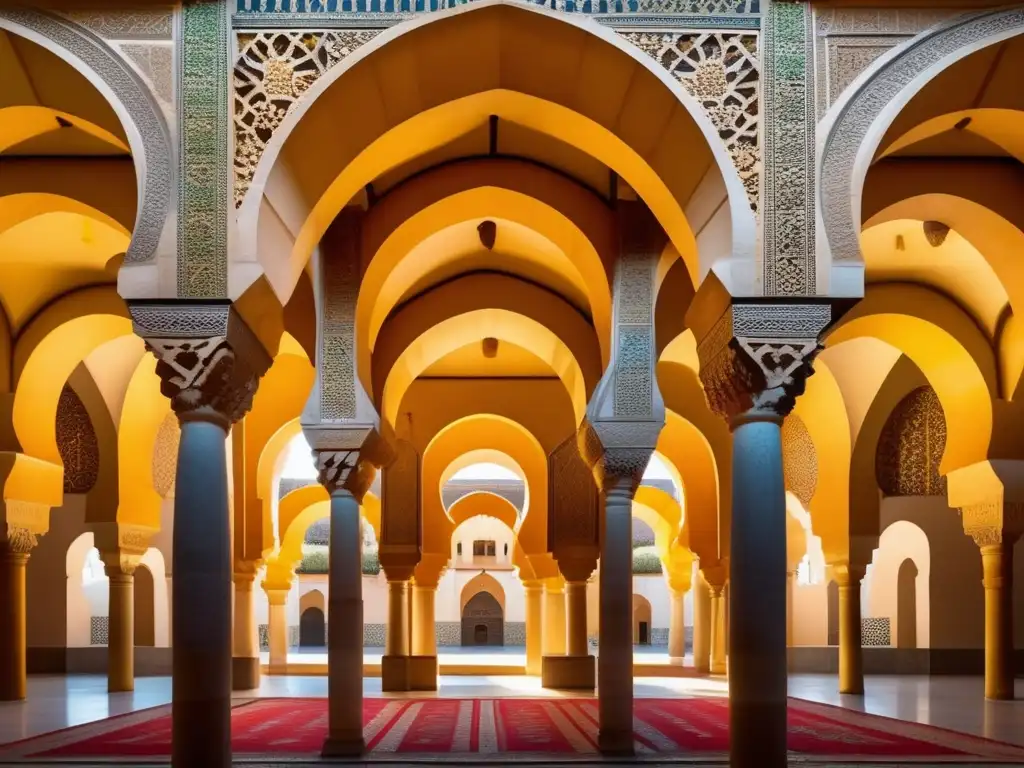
754, 361
210, 372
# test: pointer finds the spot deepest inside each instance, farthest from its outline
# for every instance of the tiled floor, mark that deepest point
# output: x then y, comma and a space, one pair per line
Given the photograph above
955, 703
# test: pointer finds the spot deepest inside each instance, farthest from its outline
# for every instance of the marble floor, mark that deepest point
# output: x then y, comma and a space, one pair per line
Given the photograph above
956, 703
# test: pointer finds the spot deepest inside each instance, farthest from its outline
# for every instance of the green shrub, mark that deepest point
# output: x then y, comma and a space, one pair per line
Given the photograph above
646, 560
371, 563
314, 559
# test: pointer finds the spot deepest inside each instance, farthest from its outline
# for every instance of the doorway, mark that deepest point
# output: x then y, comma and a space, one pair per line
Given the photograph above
483, 621
312, 629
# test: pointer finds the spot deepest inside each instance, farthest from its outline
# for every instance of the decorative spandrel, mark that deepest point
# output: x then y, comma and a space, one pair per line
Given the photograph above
799, 459
721, 71
911, 445
77, 443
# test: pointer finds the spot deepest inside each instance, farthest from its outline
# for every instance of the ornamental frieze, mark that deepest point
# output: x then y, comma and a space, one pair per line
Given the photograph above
709, 7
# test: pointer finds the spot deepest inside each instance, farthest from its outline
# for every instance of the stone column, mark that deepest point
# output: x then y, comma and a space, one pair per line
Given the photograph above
346, 477
851, 657
397, 637
677, 627
790, 618
424, 634
209, 363
121, 628
995, 524
14, 549
754, 361
615, 655
534, 594
701, 625
997, 578
554, 617
277, 630
576, 618
245, 661
718, 653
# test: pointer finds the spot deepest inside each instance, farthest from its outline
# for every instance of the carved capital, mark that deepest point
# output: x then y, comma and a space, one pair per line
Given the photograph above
119, 566
848, 575
344, 470
208, 360
994, 523
755, 360
21, 523
618, 450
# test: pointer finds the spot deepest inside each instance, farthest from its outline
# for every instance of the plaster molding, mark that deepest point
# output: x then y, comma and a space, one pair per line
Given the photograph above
148, 133
855, 124
155, 23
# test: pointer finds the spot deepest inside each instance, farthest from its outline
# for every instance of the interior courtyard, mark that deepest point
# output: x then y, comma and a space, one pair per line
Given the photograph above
511, 380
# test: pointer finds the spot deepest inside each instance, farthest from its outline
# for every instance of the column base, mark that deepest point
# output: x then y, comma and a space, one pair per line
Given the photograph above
676, 661
423, 673
245, 673
570, 673
719, 669
343, 745
394, 673
615, 743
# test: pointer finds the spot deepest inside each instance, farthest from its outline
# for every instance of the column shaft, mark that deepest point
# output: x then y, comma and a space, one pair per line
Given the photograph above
554, 621
245, 669
345, 630
997, 578
277, 631
424, 635
576, 618
12, 625
757, 590
396, 642
201, 629
790, 618
851, 657
719, 665
701, 625
534, 594
120, 631
615, 656
677, 627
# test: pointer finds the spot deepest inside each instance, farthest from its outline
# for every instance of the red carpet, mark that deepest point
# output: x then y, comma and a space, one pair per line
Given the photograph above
293, 727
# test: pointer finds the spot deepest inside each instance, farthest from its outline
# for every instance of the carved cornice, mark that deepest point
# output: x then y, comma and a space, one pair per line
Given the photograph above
756, 359
208, 360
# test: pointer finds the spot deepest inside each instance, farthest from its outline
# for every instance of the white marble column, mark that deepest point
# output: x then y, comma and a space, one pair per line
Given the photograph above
615, 653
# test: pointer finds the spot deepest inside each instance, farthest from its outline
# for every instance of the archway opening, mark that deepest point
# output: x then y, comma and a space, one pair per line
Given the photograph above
483, 621
906, 605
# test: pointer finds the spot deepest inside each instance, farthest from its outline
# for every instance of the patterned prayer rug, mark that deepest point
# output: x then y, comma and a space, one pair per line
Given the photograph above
683, 727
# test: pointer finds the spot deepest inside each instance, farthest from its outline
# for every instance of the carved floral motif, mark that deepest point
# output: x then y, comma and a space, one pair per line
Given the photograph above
77, 443
272, 71
721, 71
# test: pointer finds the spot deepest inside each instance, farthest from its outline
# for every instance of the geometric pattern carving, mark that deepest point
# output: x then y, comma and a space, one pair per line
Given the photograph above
725, 7
271, 72
721, 71
788, 150
165, 456
573, 500
137, 24
875, 632
799, 459
911, 445
203, 188
77, 443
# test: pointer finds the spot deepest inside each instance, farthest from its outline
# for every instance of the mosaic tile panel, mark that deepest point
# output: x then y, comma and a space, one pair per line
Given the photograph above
99, 630
263, 630
875, 632
515, 633
448, 634
203, 188
788, 149
659, 635
373, 635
